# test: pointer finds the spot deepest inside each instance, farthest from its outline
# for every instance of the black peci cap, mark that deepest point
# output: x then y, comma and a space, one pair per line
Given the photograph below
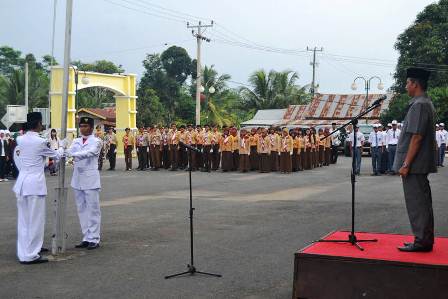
86, 121
417, 73
34, 117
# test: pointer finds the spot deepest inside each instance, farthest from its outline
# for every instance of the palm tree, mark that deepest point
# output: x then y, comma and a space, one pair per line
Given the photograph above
216, 108
272, 90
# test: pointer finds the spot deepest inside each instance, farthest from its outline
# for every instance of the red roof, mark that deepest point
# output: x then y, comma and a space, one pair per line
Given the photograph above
103, 113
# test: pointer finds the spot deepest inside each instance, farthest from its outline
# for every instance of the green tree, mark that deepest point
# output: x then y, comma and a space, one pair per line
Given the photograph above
272, 90
166, 75
150, 109
9, 60
177, 63
424, 44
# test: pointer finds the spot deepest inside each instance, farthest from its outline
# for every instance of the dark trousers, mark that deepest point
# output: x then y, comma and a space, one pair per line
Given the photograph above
207, 157
334, 154
244, 163
358, 158
236, 160
174, 156
2, 167
442, 150
376, 159
112, 156
128, 157
254, 163
392, 150
216, 157
142, 156
166, 161
384, 161
199, 158
417, 194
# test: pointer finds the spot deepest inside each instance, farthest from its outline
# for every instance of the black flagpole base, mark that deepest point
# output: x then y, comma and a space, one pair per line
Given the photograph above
351, 239
192, 271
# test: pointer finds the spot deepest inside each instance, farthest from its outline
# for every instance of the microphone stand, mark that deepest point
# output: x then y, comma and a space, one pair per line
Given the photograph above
352, 239
191, 269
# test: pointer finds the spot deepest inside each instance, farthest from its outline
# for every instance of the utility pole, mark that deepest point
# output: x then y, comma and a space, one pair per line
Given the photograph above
199, 38
26, 86
314, 64
58, 243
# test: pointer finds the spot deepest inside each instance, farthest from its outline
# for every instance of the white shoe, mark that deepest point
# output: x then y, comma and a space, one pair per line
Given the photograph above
1, 180
5, 180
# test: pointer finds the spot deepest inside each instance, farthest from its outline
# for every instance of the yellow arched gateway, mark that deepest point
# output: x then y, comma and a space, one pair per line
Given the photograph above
123, 85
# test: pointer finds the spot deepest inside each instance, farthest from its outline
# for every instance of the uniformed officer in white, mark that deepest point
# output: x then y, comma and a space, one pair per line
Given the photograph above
376, 141
391, 142
31, 189
86, 183
358, 150
443, 136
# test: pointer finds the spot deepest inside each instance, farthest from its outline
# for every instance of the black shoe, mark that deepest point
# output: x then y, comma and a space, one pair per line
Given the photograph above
43, 249
93, 246
39, 260
83, 244
415, 248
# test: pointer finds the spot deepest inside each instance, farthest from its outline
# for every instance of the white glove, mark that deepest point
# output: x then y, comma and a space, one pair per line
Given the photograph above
290, 153
64, 143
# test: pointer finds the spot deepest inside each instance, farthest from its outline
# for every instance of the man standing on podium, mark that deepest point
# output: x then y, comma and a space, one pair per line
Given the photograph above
415, 159
86, 183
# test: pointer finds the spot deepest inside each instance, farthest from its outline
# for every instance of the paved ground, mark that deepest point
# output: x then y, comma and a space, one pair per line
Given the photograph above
248, 227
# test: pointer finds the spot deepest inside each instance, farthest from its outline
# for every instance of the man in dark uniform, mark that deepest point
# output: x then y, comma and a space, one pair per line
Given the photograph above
415, 159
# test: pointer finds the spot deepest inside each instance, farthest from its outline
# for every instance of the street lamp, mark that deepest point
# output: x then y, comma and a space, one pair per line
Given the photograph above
211, 90
367, 84
85, 80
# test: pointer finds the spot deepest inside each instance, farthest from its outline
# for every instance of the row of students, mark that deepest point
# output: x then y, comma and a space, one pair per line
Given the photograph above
258, 149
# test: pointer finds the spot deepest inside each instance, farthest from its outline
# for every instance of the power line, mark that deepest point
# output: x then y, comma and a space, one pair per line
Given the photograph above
145, 12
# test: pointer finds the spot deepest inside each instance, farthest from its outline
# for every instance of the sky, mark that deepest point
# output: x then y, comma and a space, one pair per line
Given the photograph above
357, 37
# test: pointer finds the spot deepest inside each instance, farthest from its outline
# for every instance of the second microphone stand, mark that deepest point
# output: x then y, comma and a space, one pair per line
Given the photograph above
191, 269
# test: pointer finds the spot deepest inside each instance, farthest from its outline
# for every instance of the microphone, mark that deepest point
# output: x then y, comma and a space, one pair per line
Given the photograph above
189, 147
380, 99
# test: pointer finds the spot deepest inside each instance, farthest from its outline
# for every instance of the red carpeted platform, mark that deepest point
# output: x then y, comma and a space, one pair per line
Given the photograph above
385, 249
340, 270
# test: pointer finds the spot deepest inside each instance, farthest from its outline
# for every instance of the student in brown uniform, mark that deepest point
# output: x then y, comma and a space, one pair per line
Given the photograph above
274, 147
321, 147
191, 141
328, 143
128, 144
174, 147
253, 157
244, 151
226, 147
301, 141
236, 155
295, 150
309, 149
142, 148
182, 151
286, 151
206, 136
216, 154
156, 148
148, 132
166, 161
264, 150
199, 146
